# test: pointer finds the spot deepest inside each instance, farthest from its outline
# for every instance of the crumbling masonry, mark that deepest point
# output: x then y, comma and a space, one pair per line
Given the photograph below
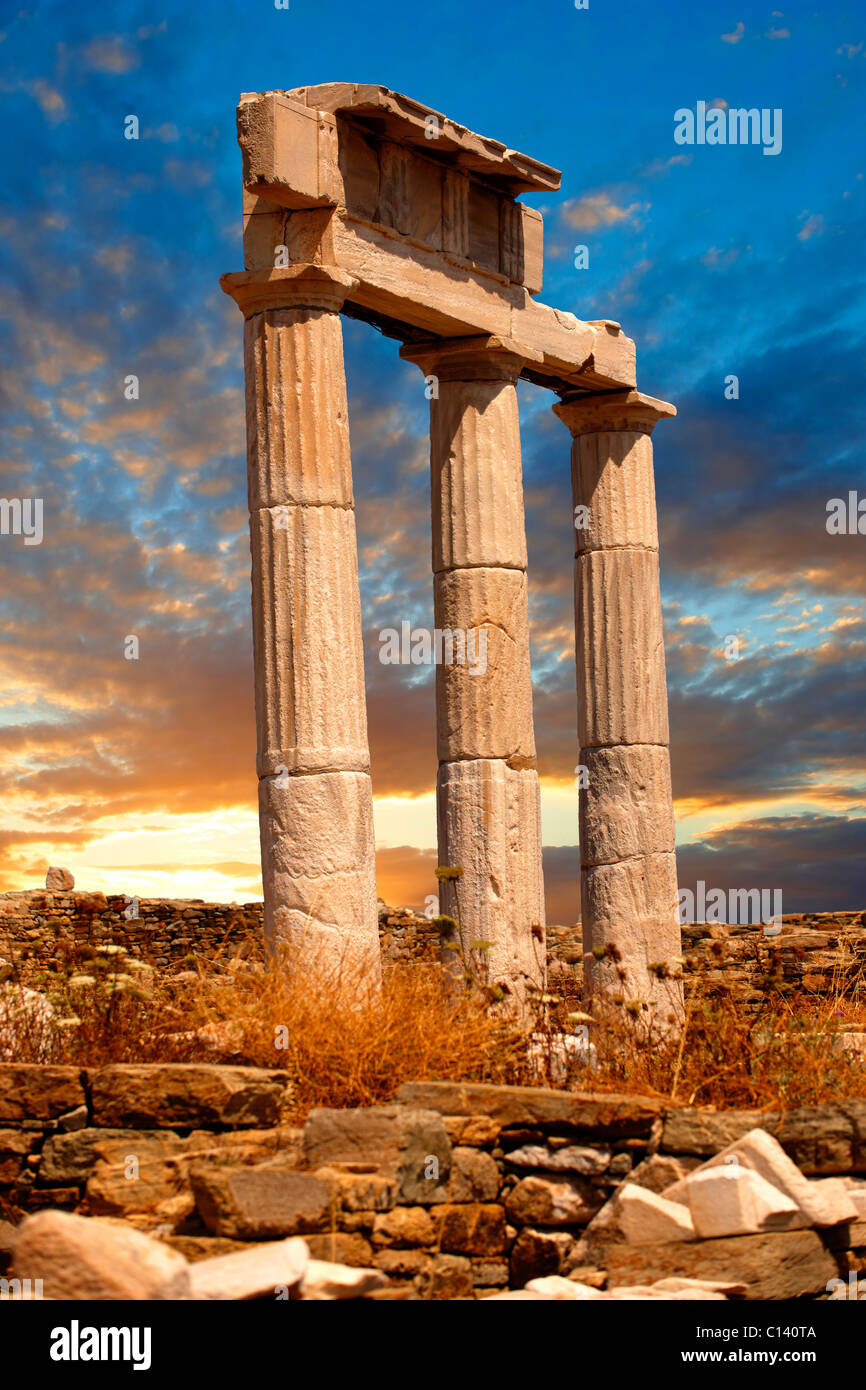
360, 201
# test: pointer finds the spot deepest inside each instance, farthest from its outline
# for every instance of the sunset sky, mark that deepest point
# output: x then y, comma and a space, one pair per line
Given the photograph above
140, 775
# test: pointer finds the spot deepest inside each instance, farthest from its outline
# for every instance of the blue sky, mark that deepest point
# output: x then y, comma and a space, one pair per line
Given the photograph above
717, 260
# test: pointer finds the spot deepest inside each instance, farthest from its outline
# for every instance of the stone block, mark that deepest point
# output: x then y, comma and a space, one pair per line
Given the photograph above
569, 1158
645, 1218
474, 1177
536, 1253
733, 1201
537, 1201
187, 1094
410, 1145
404, 1226
261, 1203
15, 1145
33, 1091
776, 1265
471, 1228
324, 1282
597, 1116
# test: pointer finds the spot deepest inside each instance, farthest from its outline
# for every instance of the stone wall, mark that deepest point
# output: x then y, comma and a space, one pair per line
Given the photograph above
819, 952
455, 1191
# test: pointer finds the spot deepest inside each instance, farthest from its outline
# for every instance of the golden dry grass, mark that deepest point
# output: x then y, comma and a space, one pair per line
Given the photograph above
345, 1046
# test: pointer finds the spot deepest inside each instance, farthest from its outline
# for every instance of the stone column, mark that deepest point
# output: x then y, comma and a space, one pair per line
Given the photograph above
315, 794
488, 805
628, 868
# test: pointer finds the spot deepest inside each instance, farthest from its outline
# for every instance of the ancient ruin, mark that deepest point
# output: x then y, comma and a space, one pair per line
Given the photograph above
361, 201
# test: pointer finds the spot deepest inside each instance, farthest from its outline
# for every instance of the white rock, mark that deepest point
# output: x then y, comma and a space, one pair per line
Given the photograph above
736, 1201
263, 1269
553, 1286
325, 1282
645, 1218
764, 1155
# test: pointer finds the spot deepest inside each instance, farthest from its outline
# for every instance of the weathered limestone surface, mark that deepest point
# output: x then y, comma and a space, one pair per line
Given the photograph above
485, 710
310, 706
316, 834
632, 904
489, 822
630, 811
488, 806
628, 868
307, 637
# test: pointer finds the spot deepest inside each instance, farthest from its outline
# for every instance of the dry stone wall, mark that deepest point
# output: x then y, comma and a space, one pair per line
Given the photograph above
819, 952
454, 1191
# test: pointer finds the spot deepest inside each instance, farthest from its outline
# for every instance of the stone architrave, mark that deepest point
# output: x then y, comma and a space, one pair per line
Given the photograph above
488, 802
628, 866
315, 794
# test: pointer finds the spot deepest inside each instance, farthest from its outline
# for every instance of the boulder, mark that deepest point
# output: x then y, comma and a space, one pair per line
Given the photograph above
80, 1257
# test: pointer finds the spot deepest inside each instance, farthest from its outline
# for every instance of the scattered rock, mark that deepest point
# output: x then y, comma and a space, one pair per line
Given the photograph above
325, 1282
268, 1269
645, 1218
59, 881
730, 1200
80, 1257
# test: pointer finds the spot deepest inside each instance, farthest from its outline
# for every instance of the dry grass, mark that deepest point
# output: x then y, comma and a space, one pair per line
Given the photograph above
343, 1046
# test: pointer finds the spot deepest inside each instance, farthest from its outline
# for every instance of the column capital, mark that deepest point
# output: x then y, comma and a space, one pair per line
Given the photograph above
612, 411
302, 286
485, 357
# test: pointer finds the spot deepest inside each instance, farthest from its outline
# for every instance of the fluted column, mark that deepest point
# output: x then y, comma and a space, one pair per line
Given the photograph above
628, 866
488, 804
315, 794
